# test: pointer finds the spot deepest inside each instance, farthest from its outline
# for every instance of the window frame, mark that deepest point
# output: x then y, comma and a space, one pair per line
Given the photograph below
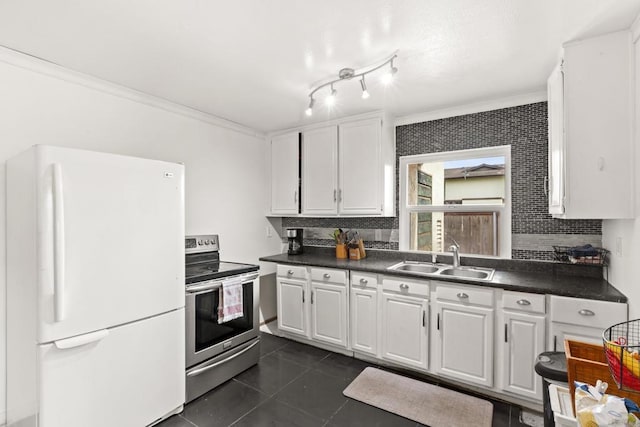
503, 210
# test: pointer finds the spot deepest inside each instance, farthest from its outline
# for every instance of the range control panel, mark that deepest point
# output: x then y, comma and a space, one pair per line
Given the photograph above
201, 243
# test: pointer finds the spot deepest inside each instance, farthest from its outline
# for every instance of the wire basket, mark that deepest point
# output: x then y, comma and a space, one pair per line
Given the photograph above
573, 255
622, 349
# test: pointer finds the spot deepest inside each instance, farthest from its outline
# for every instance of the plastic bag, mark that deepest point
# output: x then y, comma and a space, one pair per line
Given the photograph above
596, 409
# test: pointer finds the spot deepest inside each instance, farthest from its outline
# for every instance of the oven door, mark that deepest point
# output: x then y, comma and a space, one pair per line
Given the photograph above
205, 337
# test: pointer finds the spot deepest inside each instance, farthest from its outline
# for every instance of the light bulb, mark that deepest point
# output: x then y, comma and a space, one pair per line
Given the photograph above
388, 77
365, 92
331, 98
309, 110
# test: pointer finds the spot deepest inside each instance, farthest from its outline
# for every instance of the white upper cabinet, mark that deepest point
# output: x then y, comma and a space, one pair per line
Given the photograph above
320, 171
360, 172
343, 169
590, 130
285, 174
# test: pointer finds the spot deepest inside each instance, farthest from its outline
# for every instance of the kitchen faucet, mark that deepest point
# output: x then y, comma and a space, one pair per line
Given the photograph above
454, 251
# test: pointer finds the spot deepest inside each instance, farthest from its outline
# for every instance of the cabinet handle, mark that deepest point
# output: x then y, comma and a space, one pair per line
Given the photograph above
546, 186
335, 197
340, 195
424, 315
506, 333
555, 343
364, 281
462, 295
326, 276
303, 296
404, 287
311, 297
290, 272
586, 312
438, 322
523, 302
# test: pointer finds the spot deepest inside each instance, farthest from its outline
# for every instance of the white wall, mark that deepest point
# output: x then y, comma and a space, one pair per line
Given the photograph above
225, 165
622, 237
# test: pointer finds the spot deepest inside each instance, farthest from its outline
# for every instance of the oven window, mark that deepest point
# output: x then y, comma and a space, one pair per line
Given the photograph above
208, 331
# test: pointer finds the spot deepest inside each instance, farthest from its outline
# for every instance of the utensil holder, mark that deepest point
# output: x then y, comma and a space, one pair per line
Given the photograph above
341, 251
354, 253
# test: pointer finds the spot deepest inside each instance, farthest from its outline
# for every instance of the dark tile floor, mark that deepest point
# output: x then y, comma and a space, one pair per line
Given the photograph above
299, 385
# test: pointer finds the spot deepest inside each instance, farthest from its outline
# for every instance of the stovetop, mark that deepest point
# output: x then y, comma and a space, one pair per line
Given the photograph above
203, 271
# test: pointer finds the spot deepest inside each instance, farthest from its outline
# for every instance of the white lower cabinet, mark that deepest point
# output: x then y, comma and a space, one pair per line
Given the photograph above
463, 340
363, 312
404, 322
329, 313
523, 318
314, 309
291, 288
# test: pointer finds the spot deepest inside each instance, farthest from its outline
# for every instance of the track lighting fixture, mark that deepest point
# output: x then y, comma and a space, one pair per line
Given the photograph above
348, 74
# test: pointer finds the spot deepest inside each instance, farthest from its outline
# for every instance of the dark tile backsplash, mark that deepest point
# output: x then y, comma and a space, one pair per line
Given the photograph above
524, 127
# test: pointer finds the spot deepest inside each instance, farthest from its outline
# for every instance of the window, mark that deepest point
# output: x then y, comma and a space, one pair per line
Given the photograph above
461, 197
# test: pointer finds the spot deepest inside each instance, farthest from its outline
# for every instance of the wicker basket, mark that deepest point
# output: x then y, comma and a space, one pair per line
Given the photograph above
587, 363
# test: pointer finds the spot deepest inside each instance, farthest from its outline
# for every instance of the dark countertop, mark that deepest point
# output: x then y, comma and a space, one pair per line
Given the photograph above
524, 276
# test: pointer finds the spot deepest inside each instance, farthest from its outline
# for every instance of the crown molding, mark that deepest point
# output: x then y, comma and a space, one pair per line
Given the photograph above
49, 69
478, 107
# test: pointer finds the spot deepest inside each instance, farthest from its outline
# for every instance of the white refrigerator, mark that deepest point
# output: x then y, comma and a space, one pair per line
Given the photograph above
95, 289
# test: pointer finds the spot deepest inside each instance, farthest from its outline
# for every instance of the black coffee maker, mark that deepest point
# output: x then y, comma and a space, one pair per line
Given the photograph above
294, 235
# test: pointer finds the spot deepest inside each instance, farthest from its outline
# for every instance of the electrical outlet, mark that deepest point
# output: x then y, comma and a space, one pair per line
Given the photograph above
618, 246
269, 232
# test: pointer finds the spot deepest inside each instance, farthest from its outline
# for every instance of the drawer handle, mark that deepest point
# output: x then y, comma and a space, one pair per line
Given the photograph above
462, 295
585, 312
523, 302
364, 281
327, 276
404, 287
290, 272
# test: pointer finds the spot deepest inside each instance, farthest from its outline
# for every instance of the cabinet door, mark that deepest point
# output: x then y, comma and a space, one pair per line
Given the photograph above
523, 341
320, 171
291, 306
360, 171
329, 313
404, 329
364, 319
285, 174
465, 340
555, 183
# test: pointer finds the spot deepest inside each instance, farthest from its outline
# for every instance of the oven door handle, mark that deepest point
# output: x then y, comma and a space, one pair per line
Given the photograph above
205, 287
220, 362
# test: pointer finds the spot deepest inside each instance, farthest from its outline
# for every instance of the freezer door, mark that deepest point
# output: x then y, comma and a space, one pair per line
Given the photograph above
128, 376
111, 240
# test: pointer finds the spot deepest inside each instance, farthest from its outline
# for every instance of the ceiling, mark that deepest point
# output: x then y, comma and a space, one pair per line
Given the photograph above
254, 62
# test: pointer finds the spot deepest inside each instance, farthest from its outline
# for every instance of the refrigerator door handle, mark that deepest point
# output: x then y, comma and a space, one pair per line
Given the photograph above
81, 340
58, 242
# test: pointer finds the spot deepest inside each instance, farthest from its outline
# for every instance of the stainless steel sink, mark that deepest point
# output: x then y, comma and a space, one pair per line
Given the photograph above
468, 272
435, 270
417, 268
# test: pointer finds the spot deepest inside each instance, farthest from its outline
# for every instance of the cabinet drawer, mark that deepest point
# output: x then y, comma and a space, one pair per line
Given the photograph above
329, 275
406, 286
292, 272
530, 303
364, 280
465, 295
587, 312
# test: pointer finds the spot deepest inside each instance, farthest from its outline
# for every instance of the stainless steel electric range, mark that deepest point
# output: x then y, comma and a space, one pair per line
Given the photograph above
218, 349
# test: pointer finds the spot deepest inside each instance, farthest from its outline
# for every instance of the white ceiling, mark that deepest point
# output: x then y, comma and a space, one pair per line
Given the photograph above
254, 61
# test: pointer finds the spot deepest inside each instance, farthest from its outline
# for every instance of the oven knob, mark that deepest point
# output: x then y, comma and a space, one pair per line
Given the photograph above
206, 242
199, 242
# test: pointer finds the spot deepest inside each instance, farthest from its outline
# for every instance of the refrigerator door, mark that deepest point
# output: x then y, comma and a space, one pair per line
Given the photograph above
110, 240
131, 375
